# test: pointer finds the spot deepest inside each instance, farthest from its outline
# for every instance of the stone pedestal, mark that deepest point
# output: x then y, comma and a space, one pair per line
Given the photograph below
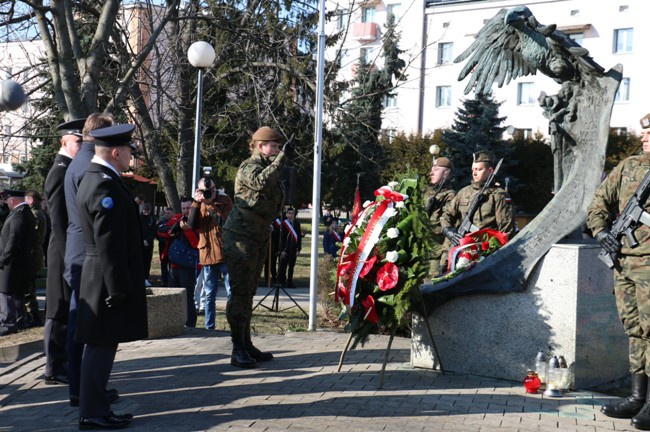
567, 309
166, 311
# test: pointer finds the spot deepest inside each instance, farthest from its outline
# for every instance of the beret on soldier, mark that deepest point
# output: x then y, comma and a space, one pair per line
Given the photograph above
443, 162
114, 136
645, 121
265, 133
483, 156
73, 127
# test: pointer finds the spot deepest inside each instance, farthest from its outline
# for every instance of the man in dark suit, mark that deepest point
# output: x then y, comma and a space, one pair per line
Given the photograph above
289, 247
16, 239
57, 291
112, 299
75, 249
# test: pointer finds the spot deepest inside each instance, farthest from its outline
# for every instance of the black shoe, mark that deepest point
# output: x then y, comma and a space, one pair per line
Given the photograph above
56, 379
125, 416
259, 356
631, 405
106, 422
242, 359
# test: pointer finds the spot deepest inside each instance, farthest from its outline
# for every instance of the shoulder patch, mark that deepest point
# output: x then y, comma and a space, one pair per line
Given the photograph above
108, 203
106, 176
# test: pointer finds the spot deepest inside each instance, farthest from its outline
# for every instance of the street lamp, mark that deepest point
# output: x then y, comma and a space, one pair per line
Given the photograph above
201, 55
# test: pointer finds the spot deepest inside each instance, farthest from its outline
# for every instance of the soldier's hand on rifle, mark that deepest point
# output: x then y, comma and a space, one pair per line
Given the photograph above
608, 242
452, 235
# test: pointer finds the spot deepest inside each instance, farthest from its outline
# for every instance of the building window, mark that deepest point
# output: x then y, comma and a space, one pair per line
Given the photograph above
364, 55
444, 52
526, 93
393, 9
577, 37
390, 134
7, 130
618, 130
623, 40
623, 93
343, 57
342, 17
368, 14
623, 8
443, 96
575, 12
390, 101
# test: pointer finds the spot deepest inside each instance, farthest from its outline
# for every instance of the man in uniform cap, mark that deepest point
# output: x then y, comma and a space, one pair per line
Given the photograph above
75, 248
112, 299
57, 291
632, 282
16, 239
495, 210
258, 201
436, 197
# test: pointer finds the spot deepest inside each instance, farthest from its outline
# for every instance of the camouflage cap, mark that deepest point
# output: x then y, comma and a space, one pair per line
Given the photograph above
483, 156
645, 121
265, 133
443, 162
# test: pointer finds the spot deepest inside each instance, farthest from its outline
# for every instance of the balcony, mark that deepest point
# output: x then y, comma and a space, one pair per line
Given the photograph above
364, 31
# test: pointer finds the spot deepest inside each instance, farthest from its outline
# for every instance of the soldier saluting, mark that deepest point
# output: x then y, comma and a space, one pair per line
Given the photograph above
632, 279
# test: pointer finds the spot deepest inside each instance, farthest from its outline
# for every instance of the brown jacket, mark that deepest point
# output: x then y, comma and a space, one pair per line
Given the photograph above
208, 219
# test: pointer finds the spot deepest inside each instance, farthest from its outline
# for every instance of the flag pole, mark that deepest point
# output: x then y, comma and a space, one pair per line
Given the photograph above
318, 141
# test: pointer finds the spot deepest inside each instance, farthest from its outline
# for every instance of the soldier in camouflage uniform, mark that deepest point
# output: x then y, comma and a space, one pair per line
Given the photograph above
258, 200
632, 283
436, 197
494, 212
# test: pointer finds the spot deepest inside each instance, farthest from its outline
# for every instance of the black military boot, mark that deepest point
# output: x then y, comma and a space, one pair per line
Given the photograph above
240, 357
254, 352
641, 421
631, 405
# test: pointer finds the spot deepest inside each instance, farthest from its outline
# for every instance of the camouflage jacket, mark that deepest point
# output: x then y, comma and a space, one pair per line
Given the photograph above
612, 196
494, 212
259, 196
434, 203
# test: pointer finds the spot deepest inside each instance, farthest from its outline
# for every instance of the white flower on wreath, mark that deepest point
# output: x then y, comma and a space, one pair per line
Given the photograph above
392, 233
400, 204
346, 241
391, 256
390, 212
463, 262
366, 204
393, 185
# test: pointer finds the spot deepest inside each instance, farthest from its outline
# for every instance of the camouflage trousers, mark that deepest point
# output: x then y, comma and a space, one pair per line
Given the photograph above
245, 259
440, 250
632, 290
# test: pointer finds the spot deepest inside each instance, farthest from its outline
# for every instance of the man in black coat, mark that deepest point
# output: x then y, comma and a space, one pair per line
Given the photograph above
289, 247
75, 249
112, 299
57, 291
16, 239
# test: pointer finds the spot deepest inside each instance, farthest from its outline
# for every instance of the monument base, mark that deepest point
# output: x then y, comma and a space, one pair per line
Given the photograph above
567, 309
166, 311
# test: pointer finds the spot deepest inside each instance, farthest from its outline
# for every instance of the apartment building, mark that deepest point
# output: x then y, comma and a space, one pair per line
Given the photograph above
435, 32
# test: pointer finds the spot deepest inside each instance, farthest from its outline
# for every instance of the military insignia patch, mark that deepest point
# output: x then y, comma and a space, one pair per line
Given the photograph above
107, 203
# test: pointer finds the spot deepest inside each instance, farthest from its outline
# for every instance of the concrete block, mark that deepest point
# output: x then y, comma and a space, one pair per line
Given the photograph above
567, 309
166, 311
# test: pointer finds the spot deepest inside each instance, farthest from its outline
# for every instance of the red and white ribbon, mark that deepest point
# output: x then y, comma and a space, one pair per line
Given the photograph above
292, 231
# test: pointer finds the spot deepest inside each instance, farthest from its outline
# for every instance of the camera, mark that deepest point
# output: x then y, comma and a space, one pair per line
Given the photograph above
207, 182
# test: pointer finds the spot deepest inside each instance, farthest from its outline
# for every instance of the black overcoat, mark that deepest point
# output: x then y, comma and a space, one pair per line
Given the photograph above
16, 240
113, 263
57, 291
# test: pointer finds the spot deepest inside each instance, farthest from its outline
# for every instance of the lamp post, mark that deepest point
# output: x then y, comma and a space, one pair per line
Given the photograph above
201, 55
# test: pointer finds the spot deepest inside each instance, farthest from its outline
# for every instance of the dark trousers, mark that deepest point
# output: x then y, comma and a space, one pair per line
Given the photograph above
54, 342
273, 267
96, 366
185, 278
31, 302
287, 264
12, 311
74, 349
147, 254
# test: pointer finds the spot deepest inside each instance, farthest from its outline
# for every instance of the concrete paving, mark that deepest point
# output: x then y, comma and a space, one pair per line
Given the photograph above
186, 383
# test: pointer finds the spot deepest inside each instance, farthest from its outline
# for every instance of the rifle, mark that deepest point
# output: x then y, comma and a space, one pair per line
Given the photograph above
432, 201
466, 225
628, 221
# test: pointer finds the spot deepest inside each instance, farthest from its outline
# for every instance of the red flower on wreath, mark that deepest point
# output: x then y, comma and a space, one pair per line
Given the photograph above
371, 312
367, 266
387, 276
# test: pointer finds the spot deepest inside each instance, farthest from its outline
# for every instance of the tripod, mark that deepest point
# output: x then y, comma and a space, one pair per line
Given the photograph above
275, 289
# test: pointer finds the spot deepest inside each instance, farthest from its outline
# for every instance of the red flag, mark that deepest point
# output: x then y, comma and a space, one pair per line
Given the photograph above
356, 208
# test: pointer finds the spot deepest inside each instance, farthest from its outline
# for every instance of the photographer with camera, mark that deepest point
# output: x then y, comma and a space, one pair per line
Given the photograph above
208, 213
181, 251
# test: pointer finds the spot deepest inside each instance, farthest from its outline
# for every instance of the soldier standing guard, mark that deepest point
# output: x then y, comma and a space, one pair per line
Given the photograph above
632, 282
258, 201
495, 211
438, 194
57, 291
112, 298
